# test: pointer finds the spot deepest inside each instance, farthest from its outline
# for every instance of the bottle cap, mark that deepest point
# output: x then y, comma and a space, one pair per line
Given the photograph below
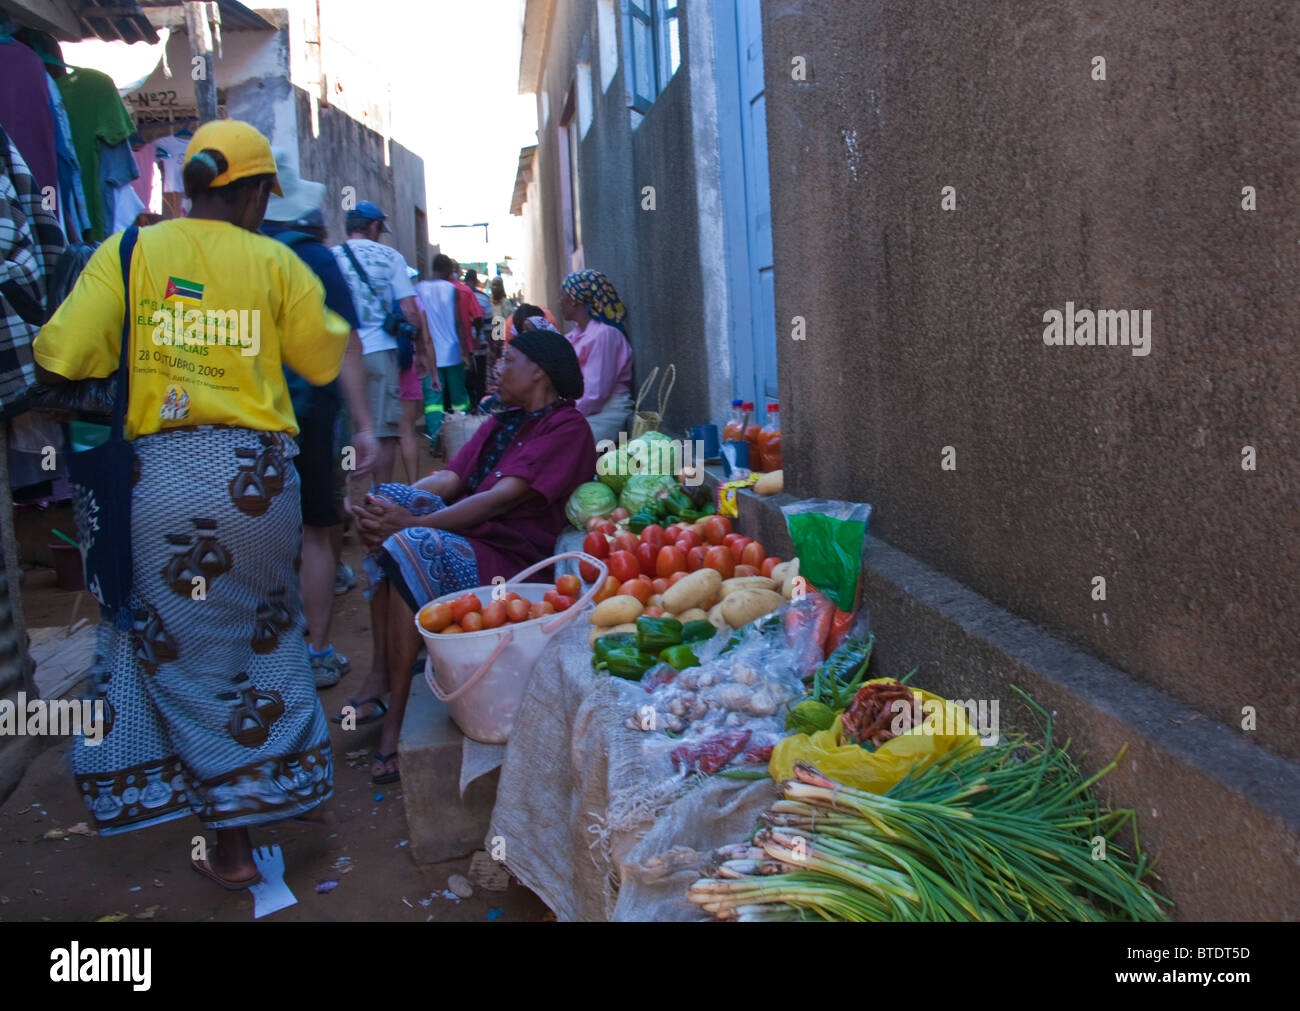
748, 405
773, 407
737, 402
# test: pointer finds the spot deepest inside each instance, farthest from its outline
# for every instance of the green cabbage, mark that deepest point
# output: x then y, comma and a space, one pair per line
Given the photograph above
588, 500
642, 489
653, 453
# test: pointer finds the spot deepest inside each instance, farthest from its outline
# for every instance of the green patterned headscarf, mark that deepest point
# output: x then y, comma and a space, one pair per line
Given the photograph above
592, 289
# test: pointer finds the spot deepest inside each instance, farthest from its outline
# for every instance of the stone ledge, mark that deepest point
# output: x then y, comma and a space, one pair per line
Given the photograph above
443, 824
1219, 813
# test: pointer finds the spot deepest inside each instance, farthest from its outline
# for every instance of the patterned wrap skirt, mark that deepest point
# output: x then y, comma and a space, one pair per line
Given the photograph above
209, 699
421, 563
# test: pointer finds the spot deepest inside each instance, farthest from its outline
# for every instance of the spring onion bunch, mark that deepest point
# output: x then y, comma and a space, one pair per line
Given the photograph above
1008, 832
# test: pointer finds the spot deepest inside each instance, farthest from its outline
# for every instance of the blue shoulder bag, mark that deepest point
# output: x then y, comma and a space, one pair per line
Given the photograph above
103, 478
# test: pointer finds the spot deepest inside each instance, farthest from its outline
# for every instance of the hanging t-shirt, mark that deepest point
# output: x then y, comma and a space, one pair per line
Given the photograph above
24, 113
146, 161
96, 113
126, 208
72, 197
250, 301
438, 300
385, 268
117, 170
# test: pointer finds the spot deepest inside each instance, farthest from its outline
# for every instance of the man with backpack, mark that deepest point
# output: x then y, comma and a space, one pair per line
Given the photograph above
296, 220
390, 340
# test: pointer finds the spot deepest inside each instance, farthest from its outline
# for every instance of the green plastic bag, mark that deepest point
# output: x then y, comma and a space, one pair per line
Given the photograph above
828, 541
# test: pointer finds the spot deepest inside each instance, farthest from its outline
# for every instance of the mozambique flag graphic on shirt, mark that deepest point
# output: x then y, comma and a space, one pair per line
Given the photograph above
187, 292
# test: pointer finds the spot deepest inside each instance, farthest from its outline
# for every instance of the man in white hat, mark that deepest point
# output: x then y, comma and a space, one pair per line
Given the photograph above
296, 220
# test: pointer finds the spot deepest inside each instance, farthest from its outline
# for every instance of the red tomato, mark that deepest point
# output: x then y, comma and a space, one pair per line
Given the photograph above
653, 534
625, 542
607, 589
671, 559
494, 615
452, 630
653, 612
746, 570
568, 585
659, 584
619, 515
588, 572
561, 601
673, 532
472, 622
623, 566
720, 559
435, 617
595, 545
595, 523
512, 596
769, 564
606, 527
517, 609
549, 596
754, 554
641, 588
467, 604
676, 577
716, 528
695, 558
645, 558
689, 534
541, 608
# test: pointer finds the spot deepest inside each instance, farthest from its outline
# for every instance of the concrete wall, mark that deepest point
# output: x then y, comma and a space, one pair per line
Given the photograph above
653, 257
348, 154
925, 327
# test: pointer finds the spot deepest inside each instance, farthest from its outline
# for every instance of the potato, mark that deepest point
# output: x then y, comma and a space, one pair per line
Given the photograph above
780, 572
629, 626
770, 484
699, 589
730, 586
715, 616
744, 606
693, 614
617, 610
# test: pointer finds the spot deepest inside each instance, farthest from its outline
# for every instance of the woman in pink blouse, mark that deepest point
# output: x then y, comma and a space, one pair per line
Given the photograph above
600, 339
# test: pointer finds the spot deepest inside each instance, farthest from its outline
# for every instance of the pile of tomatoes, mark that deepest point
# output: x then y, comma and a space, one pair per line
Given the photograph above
469, 615
647, 565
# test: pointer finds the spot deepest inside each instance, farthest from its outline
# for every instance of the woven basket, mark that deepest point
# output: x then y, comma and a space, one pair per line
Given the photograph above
649, 421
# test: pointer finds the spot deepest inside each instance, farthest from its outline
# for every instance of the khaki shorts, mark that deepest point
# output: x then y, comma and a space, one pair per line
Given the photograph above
381, 392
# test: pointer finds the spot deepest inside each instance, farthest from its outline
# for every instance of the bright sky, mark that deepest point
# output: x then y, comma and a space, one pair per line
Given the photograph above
454, 70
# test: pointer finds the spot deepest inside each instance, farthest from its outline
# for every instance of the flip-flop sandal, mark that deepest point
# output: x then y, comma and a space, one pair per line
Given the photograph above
380, 704
234, 886
387, 777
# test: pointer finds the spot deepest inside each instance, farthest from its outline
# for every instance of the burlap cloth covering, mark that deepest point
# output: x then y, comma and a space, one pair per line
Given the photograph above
596, 824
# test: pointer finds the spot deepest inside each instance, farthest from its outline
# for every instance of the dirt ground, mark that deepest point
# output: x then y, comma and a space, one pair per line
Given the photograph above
146, 874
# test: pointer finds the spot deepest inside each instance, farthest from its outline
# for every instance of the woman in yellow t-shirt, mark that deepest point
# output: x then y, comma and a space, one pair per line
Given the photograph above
210, 702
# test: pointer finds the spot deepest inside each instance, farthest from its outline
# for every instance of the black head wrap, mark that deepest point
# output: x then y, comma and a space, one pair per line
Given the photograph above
555, 356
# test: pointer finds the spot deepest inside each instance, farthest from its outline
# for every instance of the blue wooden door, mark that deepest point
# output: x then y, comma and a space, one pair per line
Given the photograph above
758, 212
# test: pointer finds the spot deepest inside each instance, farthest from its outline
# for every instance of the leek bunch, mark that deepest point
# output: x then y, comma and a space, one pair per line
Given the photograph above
1008, 832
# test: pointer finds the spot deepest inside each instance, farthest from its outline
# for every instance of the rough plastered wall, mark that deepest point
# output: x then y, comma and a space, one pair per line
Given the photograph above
925, 326
651, 255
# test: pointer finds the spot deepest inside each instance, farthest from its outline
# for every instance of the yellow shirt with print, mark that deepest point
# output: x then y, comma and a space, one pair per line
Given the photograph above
217, 310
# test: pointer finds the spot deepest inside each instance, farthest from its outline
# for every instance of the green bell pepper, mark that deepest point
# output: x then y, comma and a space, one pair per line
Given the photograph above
639, 522
606, 644
629, 664
698, 631
679, 657
655, 634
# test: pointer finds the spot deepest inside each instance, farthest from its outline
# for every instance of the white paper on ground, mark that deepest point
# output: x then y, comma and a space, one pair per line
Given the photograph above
271, 894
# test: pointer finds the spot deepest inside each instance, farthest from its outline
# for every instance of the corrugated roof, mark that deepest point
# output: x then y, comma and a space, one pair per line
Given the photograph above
116, 20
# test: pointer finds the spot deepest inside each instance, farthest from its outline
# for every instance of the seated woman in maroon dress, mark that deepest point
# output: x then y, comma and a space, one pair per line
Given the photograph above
496, 508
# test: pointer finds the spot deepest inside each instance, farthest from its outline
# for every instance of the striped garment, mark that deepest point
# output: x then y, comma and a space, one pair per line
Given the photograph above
210, 699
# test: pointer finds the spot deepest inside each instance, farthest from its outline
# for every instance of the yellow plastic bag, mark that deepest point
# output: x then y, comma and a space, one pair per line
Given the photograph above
945, 726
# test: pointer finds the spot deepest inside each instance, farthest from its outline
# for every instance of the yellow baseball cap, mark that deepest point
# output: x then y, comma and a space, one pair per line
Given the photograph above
246, 151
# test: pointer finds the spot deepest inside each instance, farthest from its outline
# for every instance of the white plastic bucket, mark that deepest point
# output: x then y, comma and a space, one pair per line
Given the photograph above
486, 673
